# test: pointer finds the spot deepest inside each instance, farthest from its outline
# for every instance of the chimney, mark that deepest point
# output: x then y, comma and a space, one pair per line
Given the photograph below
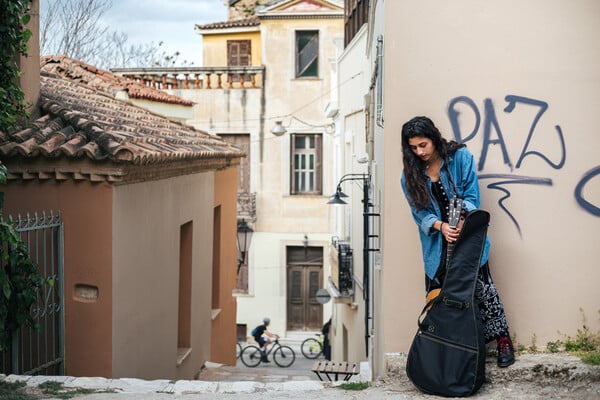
29, 81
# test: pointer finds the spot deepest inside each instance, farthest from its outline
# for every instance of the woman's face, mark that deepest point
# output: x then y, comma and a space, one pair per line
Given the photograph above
423, 148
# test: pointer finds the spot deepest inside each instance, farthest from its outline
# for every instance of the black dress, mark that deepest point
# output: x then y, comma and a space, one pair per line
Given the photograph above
493, 317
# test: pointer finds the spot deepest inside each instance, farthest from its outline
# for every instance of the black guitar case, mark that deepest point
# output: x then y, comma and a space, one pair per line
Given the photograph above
447, 355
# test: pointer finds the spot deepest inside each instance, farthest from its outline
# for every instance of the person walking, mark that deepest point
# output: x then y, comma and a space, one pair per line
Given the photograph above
435, 171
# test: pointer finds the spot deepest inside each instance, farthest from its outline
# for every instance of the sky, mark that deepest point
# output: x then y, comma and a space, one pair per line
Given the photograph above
169, 21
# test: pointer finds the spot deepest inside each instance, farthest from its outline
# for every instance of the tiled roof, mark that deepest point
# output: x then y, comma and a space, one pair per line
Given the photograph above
106, 81
236, 23
87, 134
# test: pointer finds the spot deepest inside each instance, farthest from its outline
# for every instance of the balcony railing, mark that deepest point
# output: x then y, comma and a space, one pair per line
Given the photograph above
196, 77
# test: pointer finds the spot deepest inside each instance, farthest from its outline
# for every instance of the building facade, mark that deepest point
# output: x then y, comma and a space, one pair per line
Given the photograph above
295, 42
519, 85
146, 252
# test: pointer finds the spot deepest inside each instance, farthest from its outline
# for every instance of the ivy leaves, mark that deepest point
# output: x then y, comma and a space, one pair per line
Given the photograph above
19, 278
19, 275
13, 18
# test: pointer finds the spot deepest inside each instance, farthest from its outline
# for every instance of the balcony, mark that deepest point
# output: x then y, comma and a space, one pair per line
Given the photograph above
341, 279
196, 78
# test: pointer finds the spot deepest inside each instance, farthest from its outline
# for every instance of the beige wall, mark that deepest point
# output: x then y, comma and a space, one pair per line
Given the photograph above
544, 235
227, 111
281, 219
176, 112
307, 100
223, 333
147, 219
86, 211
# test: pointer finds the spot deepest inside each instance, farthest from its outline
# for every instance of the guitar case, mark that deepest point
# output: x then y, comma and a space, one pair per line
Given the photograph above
447, 355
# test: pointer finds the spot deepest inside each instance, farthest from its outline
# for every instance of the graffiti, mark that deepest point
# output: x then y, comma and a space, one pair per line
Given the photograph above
488, 126
512, 101
508, 180
490, 122
583, 203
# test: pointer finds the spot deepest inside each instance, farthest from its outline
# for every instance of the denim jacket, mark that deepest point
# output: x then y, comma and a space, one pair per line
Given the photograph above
461, 166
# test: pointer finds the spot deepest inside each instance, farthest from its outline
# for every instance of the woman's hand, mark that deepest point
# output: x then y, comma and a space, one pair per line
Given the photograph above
449, 233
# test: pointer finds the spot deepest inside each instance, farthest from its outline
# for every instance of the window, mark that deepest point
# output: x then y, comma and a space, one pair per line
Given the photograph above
307, 54
241, 141
184, 317
239, 54
306, 164
216, 267
357, 14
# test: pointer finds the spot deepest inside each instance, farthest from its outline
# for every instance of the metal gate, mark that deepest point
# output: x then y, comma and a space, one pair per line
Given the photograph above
41, 351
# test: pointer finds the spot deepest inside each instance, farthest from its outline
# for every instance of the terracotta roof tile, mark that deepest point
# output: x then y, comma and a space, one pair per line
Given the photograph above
236, 23
79, 123
105, 81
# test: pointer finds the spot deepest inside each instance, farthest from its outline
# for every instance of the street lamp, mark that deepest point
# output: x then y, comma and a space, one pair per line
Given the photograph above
278, 129
244, 235
336, 199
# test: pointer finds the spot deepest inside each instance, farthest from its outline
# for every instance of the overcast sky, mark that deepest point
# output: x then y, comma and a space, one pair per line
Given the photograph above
169, 21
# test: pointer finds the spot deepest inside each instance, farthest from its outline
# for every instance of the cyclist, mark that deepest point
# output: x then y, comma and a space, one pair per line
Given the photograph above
258, 333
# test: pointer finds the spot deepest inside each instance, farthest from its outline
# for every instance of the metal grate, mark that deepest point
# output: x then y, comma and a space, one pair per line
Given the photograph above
345, 279
41, 351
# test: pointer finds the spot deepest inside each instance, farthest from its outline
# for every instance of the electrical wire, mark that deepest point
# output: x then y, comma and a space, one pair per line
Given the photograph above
280, 117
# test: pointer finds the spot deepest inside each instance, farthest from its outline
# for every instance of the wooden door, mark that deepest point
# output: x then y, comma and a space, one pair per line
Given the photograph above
303, 280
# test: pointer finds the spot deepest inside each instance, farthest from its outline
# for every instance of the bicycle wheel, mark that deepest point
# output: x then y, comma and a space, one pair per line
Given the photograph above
284, 356
238, 350
250, 356
311, 348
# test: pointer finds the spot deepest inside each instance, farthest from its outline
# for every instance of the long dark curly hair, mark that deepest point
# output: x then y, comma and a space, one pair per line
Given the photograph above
414, 167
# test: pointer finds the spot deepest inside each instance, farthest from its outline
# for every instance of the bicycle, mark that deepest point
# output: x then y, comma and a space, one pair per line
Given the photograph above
283, 356
238, 350
312, 348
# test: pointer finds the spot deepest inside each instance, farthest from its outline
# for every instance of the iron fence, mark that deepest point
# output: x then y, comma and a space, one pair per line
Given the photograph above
41, 351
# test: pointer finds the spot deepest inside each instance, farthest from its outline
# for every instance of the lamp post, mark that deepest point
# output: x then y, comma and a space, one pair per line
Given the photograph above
244, 235
336, 199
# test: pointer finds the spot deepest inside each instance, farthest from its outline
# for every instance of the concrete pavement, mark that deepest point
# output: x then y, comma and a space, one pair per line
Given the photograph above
533, 376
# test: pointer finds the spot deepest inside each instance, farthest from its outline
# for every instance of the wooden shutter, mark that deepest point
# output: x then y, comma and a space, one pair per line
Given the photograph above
239, 53
318, 163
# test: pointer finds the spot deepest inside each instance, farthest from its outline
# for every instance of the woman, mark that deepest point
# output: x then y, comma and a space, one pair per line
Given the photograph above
435, 170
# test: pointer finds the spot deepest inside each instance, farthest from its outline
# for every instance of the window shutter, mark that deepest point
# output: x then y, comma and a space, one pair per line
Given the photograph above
232, 52
239, 53
245, 56
318, 163
292, 164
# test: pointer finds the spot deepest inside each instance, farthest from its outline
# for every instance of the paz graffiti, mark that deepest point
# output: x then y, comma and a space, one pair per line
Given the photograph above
492, 136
